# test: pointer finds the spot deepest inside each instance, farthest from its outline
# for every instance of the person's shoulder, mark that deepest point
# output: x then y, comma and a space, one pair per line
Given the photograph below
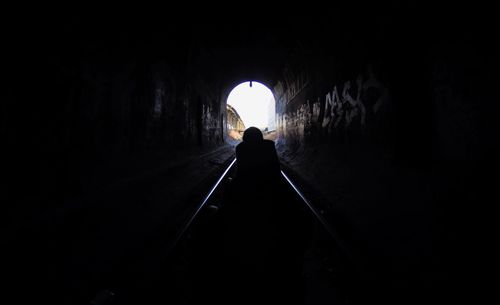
269, 142
240, 146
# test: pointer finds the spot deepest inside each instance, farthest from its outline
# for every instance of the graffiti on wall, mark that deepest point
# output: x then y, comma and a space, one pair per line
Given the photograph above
352, 104
209, 122
159, 97
291, 87
345, 106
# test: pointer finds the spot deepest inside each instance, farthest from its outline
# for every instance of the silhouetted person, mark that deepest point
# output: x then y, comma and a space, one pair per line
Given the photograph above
256, 158
263, 252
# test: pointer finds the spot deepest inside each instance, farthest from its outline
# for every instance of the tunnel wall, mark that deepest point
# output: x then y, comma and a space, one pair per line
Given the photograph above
387, 111
394, 135
351, 108
89, 103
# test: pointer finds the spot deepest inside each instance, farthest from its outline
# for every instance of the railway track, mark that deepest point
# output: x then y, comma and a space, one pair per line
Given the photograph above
278, 247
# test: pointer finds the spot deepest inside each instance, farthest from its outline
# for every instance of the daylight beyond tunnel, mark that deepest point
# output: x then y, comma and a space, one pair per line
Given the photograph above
250, 104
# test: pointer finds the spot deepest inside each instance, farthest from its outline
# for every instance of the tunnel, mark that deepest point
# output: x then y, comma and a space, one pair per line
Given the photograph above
119, 146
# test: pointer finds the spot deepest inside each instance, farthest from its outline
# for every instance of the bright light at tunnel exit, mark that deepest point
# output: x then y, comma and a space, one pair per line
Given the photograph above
253, 104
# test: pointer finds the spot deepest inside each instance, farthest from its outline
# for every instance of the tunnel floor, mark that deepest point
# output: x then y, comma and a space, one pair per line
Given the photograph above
249, 246
246, 246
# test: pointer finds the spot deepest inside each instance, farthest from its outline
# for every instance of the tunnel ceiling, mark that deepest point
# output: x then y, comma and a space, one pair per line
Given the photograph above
240, 46
118, 58
247, 39
243, 42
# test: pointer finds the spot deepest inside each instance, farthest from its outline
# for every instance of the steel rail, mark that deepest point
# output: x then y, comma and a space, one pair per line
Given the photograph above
185, 227
319, 217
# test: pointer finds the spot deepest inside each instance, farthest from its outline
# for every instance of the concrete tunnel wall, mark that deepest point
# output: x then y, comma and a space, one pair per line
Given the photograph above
388, 121
106, 91
389, 134
105, 95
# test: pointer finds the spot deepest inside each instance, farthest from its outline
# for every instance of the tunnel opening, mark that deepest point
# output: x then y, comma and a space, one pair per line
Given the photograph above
251, 104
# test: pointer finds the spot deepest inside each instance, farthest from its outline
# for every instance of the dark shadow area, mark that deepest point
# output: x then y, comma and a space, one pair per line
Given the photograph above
254, 251
262, 230
113, 122
254, 242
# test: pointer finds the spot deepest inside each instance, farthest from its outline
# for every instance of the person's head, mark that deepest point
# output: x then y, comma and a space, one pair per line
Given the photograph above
252, 135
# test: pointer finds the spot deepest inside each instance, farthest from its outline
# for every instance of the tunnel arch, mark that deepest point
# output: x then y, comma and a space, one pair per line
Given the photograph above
240, 115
